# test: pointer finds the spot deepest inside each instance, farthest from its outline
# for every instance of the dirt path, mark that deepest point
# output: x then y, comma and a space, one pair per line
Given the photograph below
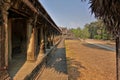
89, 62
104, 46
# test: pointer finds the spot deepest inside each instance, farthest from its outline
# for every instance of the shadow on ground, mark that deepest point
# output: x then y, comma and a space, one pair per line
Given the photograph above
94, 46
69, 66
57, 60
74, 68
16, 63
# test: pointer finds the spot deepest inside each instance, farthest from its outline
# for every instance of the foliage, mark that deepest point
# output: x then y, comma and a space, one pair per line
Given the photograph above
97, 30
109, 12
80, 33
76, 32
97, 37
94, 30
85, 33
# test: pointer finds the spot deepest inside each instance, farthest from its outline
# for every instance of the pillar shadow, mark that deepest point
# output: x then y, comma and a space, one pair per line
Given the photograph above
16, 63
57, 60
61, 64
74, 68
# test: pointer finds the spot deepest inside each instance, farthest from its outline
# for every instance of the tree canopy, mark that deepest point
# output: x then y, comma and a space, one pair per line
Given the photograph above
109, 12
94, 30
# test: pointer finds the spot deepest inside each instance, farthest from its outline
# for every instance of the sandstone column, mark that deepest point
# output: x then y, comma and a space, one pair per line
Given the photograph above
30, 41
45, 36
4, 39
49, 41
42, 43
4, 10
4, 25
9, 40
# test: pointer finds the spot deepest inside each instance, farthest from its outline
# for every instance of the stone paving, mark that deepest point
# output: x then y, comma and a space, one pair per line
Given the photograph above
56, 68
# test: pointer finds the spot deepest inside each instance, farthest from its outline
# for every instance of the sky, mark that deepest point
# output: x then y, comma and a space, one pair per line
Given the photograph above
68, 13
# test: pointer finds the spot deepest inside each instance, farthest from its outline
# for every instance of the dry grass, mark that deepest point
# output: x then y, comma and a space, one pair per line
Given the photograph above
88, 62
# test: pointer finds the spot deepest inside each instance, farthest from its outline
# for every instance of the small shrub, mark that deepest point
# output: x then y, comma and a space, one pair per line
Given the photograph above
97, 37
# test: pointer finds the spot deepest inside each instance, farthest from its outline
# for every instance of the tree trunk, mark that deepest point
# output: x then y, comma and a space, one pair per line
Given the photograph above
118, 57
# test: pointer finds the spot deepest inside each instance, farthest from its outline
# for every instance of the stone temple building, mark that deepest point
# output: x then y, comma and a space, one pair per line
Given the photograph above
26, 30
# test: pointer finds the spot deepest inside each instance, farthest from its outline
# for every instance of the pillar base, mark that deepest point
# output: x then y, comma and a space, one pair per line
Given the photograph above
4, 75
42, 52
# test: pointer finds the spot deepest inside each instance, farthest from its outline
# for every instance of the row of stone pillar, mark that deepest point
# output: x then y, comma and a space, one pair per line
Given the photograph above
46, 38
45, 42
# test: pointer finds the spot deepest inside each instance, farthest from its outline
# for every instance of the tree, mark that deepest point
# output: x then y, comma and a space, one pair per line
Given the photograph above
97, 30
81, 33
76, 32
109, 12
85, 33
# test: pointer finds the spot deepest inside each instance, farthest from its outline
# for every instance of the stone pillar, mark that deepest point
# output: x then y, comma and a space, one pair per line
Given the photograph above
53, 39
30, 41
10, 40
48, 38
35, 41
4, 30
36, 37
118, 57
42, 44
2, 42
5, 19
45, 37
49, 41
39, 38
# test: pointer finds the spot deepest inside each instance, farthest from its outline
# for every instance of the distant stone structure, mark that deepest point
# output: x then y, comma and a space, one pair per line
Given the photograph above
64, 30
68, 33
25, 29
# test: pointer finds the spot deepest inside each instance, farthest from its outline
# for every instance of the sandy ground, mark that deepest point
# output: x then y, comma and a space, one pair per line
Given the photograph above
89, 62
